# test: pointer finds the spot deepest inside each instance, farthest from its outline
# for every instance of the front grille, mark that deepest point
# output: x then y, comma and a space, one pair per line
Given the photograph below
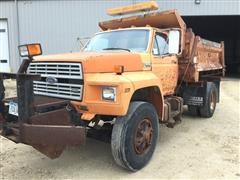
68, 76
58, 70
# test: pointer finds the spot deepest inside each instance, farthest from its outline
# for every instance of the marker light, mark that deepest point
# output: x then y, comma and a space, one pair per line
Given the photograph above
30, 50
146, 6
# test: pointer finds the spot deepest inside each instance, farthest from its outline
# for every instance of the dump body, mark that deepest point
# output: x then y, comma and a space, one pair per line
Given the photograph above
200, 58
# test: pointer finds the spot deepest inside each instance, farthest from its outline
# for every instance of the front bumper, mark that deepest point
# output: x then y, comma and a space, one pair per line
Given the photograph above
43, 122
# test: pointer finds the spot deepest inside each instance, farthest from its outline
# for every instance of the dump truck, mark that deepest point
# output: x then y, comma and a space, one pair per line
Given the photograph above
138, 72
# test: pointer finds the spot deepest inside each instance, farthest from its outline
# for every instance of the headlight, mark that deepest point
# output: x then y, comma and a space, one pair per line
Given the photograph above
23, 50
109, 93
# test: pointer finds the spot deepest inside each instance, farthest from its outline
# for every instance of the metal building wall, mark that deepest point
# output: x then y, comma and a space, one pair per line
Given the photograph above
206, 7
8, 11
58, 25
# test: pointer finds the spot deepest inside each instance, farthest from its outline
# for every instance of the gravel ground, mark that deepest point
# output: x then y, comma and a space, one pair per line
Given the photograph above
197, 149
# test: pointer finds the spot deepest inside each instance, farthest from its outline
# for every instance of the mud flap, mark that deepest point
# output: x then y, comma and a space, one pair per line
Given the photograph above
52, 140
196, 95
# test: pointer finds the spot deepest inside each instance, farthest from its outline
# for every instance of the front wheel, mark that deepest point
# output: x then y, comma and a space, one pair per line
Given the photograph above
135, 135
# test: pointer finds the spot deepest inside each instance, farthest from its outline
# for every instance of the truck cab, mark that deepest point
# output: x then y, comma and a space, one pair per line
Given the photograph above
145, 56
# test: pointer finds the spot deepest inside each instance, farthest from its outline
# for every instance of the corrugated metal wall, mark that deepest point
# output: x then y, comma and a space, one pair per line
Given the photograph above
58, 24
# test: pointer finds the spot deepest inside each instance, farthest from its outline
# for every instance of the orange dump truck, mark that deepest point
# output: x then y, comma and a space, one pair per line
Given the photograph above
138, 72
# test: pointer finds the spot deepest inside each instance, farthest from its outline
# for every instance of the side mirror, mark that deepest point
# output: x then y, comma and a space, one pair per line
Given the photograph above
174, 42
30, 50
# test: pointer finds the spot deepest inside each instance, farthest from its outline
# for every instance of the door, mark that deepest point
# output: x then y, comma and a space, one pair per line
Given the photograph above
4, 47
164, 65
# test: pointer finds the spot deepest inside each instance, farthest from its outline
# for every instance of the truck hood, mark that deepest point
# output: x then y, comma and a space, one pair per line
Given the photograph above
94, 62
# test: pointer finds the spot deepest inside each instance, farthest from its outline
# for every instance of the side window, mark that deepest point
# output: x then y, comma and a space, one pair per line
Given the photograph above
162, 44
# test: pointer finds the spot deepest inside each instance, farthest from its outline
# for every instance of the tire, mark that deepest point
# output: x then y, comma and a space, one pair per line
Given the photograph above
193, 110
128, 129
209, 107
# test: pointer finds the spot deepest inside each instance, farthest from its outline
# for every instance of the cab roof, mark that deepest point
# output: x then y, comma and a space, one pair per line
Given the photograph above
165, 19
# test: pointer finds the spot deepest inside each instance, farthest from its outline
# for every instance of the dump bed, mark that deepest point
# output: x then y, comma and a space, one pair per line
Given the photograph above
200, 58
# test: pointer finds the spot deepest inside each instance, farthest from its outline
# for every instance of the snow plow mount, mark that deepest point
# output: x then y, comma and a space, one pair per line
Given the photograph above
41, 122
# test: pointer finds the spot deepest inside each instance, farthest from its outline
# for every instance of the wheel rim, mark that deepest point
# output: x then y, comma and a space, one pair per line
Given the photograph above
212, 101
143, 136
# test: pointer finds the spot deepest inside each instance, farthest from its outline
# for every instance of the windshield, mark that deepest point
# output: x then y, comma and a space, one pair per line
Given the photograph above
129, 40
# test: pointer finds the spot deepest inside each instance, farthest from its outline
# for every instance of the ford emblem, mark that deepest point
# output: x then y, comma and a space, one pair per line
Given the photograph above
75, 90
51, 80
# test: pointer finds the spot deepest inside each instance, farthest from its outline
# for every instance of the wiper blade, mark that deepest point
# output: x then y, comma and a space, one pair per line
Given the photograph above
118, 49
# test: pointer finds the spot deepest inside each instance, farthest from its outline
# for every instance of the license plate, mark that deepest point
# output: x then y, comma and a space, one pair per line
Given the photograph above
13, 108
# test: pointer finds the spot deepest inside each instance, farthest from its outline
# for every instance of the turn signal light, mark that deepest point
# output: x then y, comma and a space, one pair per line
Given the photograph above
119, 69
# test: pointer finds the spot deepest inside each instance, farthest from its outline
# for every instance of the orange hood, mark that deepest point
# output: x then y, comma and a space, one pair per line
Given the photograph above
94, 62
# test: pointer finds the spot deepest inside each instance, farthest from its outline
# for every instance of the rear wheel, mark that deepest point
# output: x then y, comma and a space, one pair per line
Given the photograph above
209, 107
135, 135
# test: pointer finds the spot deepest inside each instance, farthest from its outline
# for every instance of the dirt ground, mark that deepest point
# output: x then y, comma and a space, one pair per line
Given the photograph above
195, 149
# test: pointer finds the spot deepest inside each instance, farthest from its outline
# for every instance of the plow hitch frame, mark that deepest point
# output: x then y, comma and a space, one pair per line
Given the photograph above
42, 122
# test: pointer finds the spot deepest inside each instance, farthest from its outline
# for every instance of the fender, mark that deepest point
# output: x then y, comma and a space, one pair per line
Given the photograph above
147, 79
127, 84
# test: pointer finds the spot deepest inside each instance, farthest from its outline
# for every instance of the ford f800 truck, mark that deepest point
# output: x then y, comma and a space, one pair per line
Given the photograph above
135, 74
